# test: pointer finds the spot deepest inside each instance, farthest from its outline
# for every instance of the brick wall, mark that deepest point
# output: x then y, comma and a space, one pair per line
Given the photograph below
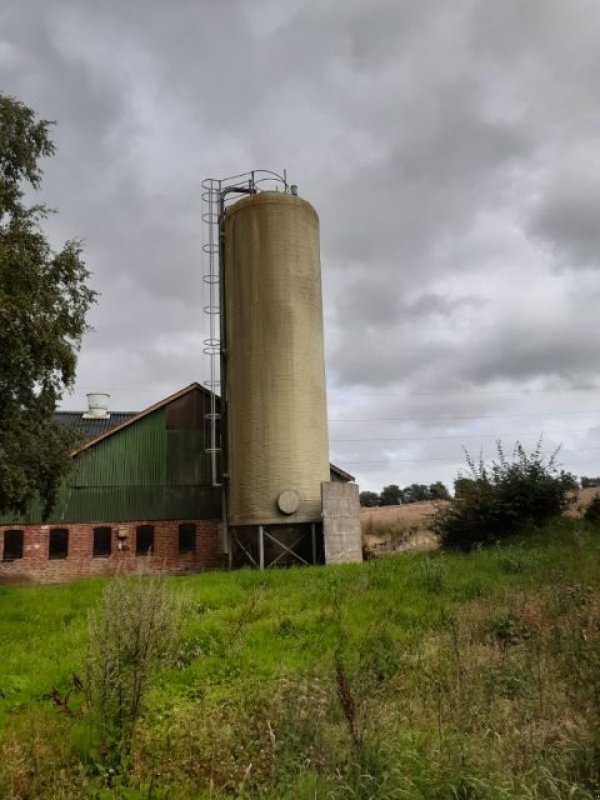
35, 566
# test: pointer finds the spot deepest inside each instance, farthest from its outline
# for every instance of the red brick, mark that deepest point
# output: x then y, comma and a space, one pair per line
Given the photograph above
35, 566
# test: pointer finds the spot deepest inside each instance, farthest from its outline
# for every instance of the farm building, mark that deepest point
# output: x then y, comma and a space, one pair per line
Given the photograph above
140, 493
235, 473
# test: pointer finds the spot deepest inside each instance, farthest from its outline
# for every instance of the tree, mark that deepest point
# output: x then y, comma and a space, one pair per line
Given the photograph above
437, 491
369, 499
415, 493
390, 495
43, 304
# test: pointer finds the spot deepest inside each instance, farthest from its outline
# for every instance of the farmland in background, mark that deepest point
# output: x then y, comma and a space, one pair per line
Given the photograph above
396, 529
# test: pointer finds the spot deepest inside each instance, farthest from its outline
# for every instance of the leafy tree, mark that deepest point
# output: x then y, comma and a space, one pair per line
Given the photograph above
437, 491
369, 499
43, 304
390, 495
415, 493
588, 483
500, 498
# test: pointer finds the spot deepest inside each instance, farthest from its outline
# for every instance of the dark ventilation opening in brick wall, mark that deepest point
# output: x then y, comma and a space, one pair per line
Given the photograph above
13, 545
144, 540
102, 542
187, 538
59, 543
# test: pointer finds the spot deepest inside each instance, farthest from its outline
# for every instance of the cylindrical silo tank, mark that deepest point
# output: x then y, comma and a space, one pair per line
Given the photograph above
276, 418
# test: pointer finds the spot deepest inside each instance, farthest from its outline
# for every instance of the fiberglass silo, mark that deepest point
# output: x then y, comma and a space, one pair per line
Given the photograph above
277, 444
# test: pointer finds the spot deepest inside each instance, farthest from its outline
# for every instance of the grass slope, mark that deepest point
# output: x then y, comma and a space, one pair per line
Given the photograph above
421, 676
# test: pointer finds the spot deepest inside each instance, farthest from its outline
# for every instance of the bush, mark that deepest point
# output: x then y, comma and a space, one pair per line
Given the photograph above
592, 512
500, 499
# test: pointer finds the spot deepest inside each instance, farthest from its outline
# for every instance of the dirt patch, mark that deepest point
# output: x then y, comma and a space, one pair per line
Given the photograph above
395, 529
582, 500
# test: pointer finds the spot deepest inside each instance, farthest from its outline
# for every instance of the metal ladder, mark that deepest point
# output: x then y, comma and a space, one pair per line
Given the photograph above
216, 194
211, 202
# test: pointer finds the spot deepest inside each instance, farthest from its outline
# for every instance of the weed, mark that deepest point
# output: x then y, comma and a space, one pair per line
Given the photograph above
346, 700
434, 574
130, 634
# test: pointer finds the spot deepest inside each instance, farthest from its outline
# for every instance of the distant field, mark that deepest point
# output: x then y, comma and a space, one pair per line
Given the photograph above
429, 675
583, 498
389, 529
394, 529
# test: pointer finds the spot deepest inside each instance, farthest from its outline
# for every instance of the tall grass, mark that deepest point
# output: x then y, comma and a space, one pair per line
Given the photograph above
437, 675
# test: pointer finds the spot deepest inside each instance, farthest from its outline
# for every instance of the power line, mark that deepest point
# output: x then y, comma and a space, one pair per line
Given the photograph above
466, 416
468, 392
461, 436
451, 459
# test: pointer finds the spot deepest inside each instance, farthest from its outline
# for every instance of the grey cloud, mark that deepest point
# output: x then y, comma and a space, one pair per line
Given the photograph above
405, 124
568, 219
567, 349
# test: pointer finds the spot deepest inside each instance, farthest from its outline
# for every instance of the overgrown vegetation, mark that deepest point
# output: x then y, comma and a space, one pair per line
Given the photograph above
442, 675
497, 500
592, 512
131, 633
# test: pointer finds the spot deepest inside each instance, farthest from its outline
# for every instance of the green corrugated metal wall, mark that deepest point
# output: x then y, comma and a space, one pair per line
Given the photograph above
135, 456
151, 469
154, 468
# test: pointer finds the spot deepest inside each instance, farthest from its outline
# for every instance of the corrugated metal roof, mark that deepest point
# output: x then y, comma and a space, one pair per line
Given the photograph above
140, 415
342, 475
90, 428
96, 430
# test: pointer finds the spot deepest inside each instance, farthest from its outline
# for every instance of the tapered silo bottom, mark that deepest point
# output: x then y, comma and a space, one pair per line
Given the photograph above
337, 540
276, 545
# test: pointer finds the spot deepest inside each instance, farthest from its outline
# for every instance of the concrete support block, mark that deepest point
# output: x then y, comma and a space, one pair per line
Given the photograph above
341, 523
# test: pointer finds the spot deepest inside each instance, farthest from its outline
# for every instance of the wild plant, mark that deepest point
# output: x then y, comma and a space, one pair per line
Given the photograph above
131, 633
434, 574
499, 499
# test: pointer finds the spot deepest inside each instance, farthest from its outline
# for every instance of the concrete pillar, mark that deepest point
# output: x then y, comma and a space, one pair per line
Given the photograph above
341, 522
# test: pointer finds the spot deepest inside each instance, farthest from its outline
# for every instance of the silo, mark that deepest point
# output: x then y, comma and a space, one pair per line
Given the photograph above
277, 444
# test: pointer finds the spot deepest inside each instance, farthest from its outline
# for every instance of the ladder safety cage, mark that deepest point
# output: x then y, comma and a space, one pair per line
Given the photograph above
217, 195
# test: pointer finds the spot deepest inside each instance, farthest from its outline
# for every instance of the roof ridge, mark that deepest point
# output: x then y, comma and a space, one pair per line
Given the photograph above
70, 411
139, 415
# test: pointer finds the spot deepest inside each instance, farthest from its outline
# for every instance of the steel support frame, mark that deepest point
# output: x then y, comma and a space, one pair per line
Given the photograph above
263, 534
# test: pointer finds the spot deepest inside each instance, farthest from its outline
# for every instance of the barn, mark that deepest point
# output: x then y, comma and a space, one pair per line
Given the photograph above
234, 471
140, 495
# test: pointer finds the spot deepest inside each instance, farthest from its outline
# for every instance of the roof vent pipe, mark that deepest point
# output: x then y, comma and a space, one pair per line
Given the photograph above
97, 406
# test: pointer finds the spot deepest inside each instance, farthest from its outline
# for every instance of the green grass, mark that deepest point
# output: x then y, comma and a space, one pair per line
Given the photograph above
471, 676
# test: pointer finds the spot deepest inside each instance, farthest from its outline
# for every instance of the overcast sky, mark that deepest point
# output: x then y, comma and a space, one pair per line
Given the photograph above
450, 149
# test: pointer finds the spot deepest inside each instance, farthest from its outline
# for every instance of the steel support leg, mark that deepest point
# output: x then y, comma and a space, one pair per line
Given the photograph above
261, 547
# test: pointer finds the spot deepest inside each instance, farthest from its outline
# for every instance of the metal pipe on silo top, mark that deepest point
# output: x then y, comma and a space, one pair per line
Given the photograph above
277, 444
